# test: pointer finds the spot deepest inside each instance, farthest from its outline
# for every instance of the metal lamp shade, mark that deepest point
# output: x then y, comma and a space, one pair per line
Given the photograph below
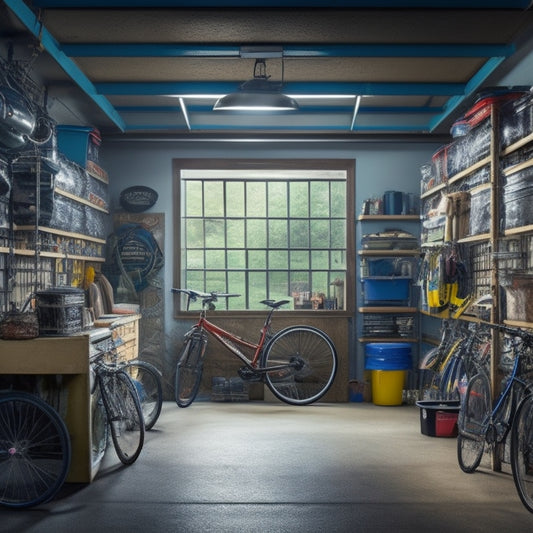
256, 101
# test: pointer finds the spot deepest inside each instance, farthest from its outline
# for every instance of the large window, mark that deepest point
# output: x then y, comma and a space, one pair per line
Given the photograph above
275, 229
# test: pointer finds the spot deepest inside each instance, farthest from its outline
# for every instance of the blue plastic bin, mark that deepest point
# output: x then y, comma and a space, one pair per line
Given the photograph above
386, 290
389, 363
388, 356
73, 142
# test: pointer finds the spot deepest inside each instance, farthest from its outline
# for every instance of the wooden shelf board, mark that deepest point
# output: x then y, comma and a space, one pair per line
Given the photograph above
63, 233
475, 238
395, 309
469, 170
370, 218
394, 253
518, 167
81, 200
434, 190
388, 339
517, 145
518, 230
518, 324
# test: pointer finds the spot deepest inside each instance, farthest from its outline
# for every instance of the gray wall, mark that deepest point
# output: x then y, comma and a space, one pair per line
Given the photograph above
380, 166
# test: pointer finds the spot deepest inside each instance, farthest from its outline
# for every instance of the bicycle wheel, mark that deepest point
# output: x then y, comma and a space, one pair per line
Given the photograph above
472, 423
189, 368
522, 451
99, 427
147, 380
34, 450
308, 362
124, 414
447, 384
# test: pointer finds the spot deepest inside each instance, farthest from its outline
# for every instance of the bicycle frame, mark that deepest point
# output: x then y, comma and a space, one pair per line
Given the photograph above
233, 342
514, 381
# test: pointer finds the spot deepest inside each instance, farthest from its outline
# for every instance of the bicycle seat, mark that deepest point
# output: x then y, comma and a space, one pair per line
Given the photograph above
274, 304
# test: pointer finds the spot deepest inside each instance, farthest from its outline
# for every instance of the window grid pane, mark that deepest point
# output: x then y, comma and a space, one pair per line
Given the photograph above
292, 243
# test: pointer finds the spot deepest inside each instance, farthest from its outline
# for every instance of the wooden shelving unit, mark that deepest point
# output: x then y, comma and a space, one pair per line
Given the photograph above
392, 315
495, 238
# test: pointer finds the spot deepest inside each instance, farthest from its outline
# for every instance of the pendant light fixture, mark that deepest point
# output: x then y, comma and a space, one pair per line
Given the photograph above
258, 94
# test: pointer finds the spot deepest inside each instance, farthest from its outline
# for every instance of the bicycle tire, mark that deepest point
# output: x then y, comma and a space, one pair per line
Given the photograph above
35, 450
189, 368
522, 452
447, 388
315, 357
99, 427
472, 423
124, 414
147, 380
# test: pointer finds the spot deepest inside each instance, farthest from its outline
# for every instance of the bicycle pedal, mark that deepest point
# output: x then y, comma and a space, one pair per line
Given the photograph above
249, 375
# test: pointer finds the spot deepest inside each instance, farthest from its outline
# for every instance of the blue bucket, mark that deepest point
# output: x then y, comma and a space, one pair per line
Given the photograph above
388, 356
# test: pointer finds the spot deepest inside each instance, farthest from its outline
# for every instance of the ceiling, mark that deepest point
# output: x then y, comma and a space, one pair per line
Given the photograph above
356, 68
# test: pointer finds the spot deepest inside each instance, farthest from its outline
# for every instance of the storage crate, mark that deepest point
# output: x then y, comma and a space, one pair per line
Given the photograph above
78, 143
229, 390
388, 325
516, 119
386, 290
390, 239
389, 266
68, 214
125, 337
439, 419
469, 149
26, 171
517, 199
519, 298
60, 310
480, 210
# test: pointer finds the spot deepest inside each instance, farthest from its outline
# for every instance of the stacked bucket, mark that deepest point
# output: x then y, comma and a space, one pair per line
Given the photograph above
388, 363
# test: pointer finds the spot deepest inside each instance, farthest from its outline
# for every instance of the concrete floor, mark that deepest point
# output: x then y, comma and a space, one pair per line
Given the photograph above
269, 467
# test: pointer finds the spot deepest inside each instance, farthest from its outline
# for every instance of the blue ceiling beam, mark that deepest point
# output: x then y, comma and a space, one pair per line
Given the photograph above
370, 4
237, 127
26, 17
293, 88
307, 110
314, 50
471, 87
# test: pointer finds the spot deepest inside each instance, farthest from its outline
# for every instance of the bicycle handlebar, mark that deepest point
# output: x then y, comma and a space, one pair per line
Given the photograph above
517, 332
205, 296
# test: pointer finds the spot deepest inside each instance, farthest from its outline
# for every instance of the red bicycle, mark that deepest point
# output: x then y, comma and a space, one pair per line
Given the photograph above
298, 363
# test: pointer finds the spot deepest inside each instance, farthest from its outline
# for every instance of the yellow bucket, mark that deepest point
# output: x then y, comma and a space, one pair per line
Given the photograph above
387, 386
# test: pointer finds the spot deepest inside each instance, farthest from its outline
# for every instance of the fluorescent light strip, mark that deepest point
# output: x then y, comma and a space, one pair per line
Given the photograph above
355, 111
185, 114
298, 96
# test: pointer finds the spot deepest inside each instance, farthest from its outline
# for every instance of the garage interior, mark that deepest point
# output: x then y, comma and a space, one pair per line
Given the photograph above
380, 87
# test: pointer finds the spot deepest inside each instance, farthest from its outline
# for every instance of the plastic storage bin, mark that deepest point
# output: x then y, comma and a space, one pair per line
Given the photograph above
386, 290
388, 363
74, 143
517, 199
439, 419
480, 210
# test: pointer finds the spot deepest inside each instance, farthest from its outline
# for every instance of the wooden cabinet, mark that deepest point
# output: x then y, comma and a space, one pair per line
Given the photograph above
125, 331
67, 358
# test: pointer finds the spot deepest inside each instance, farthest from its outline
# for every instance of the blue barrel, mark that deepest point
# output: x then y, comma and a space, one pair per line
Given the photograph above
388, 356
